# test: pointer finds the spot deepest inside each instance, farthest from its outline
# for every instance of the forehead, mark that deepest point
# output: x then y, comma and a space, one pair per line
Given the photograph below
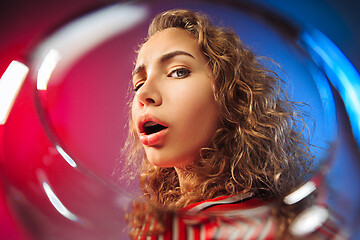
168, 40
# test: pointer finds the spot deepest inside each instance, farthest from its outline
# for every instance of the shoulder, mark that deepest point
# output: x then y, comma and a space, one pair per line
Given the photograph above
228, 217
223, 203
235, 217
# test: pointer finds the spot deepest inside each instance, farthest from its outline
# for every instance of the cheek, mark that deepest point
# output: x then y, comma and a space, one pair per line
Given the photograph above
201, 104
206, 113
134, 113
133, 108
200, 116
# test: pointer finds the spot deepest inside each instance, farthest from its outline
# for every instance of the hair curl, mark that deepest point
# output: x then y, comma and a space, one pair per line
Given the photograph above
259, 146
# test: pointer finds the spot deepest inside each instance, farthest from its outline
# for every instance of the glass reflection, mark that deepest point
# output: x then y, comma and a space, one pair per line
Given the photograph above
340, 71
66, 156
10, 84
46, 68
301, 193
309, 220
58, 205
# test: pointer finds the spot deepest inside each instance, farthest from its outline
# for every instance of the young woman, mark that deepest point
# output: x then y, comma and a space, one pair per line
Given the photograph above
218, 143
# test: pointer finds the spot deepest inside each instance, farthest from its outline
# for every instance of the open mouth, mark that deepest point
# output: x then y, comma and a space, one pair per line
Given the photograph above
151, 127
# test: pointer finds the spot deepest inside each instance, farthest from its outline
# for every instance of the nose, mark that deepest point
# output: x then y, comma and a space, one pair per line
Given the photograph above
149, 94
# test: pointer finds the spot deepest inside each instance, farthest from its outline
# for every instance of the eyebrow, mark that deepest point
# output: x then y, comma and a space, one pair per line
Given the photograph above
170, 55
163, 58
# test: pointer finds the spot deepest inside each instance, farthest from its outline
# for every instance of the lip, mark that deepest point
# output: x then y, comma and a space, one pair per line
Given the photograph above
154, 138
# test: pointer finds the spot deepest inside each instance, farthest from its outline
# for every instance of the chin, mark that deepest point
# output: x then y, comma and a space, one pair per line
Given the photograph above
158, 162
161, 164
169, 163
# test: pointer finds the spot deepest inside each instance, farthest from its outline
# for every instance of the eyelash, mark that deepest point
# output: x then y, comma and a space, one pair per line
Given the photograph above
138, 86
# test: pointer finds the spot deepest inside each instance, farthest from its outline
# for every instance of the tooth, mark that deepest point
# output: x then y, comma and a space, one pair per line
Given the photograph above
150, 124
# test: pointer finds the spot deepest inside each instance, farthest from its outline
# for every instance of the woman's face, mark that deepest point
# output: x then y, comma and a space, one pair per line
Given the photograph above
173, 110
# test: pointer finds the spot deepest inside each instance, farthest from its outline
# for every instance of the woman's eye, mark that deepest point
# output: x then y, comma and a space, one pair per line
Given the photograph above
138, 86
180, 73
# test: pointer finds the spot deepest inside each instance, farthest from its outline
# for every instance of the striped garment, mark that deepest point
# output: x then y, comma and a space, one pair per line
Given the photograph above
231, 217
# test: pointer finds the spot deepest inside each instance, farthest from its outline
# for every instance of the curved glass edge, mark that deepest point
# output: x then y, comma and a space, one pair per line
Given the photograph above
106, 22
339, 70
52, 53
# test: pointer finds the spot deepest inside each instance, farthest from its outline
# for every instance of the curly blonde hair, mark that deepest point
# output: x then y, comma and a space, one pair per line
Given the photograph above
259, 146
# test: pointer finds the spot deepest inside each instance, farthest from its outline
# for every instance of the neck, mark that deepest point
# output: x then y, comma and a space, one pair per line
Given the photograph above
181, 175
186, 187
184, 180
